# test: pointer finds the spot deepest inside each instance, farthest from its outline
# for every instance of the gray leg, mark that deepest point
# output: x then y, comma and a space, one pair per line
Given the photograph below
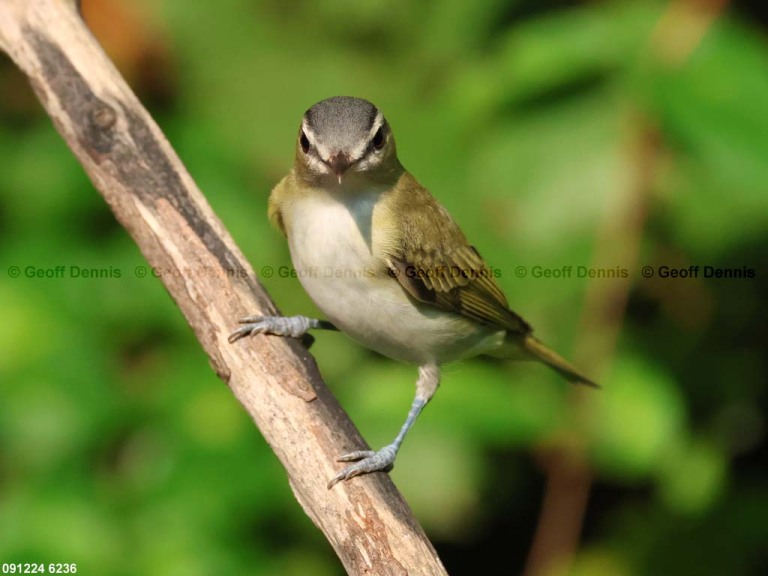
293, 326
384, 459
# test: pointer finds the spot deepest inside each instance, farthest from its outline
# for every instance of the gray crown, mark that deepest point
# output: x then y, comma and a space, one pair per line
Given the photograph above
343, 120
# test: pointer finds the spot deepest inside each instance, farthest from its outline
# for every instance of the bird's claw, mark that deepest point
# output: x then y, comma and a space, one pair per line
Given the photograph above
251, 325
367, 461
293, 326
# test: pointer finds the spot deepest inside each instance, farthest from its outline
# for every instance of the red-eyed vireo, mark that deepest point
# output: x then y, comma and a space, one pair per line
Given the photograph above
385, 262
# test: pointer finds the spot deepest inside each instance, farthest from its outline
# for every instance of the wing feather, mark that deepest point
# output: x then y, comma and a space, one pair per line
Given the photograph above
450, 274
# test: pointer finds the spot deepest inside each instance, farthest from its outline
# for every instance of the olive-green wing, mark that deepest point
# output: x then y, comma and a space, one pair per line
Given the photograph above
436, 265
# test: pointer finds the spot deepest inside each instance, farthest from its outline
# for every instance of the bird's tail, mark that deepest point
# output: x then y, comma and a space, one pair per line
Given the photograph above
541, 352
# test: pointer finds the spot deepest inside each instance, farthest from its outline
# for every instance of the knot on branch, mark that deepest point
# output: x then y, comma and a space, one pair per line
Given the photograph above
103, 116
99, 133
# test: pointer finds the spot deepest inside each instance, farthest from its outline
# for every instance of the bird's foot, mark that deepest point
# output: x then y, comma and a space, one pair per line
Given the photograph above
293, 326
367, 461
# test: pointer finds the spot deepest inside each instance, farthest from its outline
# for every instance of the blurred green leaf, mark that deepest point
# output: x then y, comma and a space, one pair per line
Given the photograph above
637, 416
693, 478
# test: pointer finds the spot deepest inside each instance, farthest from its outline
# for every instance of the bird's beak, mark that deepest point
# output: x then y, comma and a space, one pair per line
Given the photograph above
339, 163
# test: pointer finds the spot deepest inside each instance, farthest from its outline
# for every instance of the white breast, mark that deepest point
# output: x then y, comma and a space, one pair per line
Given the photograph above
332, 248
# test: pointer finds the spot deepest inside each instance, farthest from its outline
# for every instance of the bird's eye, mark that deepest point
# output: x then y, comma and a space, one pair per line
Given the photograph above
304, 141
378, 139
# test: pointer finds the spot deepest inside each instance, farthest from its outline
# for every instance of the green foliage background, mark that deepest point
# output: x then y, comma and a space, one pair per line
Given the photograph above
121, 451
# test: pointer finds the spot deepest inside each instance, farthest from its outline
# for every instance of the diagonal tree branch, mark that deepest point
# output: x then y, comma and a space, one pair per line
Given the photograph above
150, 192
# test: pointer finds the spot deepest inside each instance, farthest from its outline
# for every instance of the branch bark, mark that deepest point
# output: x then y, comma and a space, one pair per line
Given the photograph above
150, 192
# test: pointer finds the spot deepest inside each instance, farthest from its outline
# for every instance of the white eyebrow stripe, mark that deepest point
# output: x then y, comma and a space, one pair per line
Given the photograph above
307, 129
378, 122
322, 150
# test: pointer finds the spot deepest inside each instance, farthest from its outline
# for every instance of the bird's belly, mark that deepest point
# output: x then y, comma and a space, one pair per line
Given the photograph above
336, 267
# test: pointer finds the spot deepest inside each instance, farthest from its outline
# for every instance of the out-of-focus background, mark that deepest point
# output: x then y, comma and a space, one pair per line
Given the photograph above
625, 138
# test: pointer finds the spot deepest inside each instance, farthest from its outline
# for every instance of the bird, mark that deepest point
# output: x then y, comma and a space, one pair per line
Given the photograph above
386, 263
